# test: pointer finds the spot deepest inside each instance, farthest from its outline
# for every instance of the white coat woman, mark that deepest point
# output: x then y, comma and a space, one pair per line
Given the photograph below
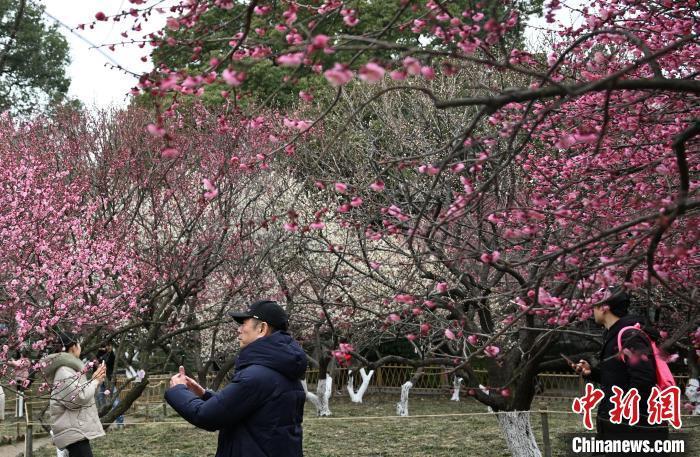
73, 411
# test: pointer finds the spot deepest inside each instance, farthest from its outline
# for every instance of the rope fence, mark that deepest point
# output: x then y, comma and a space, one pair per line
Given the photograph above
386, 379
351, 418
389, 379
30, 427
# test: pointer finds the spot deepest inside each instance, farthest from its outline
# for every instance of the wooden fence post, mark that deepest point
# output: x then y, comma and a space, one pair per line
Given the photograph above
581, 385
28, 436
545, 435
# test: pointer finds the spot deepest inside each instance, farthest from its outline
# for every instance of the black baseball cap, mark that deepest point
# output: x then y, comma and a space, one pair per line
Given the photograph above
264, 310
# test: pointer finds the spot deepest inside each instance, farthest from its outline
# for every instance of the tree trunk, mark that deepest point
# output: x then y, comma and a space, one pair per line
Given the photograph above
692, 391
356, 397
402, 405
486, 392
203, 372
457, 383
518, 433
19, 403
223, 372
123, 406
322, 396
2, 404
693, 364
29, 431
323, 392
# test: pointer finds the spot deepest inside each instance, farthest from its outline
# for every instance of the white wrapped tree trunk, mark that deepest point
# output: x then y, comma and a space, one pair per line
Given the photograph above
130, 372
19, 404
2, 404
457, 383
323, 391
322, 396
402, 406
356, 397
692, 391
486, 391
518, 432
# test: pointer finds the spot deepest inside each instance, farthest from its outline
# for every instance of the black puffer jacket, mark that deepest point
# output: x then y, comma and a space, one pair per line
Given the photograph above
611, 371
260, 413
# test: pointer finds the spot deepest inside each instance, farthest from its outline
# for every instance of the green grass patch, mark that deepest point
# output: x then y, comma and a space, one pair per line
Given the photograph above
370, 429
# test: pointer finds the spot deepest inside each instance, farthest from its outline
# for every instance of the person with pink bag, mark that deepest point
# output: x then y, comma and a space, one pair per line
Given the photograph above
626, 360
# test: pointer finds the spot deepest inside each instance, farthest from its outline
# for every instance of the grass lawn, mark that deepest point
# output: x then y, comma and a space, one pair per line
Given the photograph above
351, 433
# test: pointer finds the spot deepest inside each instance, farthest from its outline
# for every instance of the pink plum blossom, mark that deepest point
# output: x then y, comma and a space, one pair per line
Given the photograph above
155, 130
210, 189
291, 60
371, 73
170, 153
492, 351
377, 186
233, 78
339, 75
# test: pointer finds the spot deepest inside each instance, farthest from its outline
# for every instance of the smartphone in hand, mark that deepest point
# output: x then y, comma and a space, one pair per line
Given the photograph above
571, 363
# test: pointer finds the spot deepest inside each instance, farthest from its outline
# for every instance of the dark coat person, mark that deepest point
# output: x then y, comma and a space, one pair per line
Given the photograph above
637, 370
611, 371
259, 414
106, 354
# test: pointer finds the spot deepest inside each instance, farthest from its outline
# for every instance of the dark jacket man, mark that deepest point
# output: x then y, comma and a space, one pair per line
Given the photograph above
260, 413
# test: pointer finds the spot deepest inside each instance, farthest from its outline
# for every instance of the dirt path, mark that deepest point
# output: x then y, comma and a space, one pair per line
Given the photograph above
11, 450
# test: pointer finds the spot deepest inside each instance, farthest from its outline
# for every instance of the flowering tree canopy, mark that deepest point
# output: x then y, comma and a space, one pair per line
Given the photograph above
100, 242
579, 175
